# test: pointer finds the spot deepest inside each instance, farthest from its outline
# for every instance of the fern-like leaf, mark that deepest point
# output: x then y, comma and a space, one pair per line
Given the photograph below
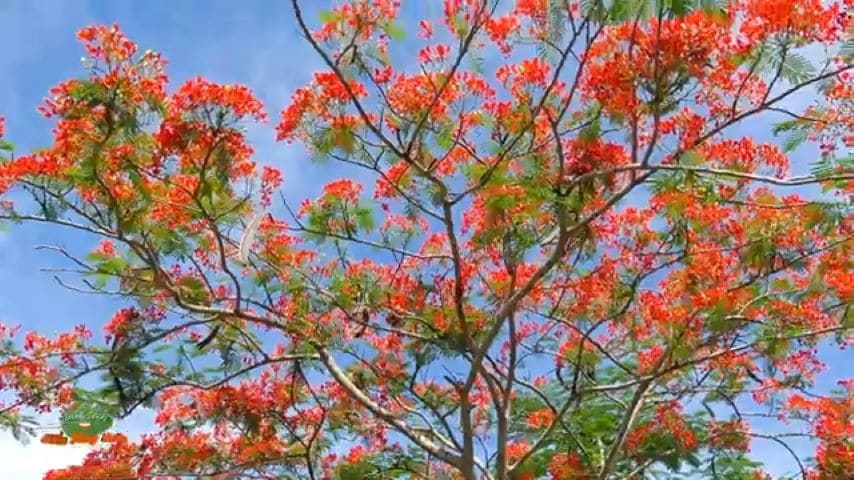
794, 140
795, 67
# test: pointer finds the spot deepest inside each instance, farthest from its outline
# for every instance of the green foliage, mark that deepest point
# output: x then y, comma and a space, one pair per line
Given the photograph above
679, 7
22, 427
797, 133
714, 6
326, 16
794, 140
793, 67
395, 31
617, 11
692, 158
555, 29
106, 267
827, 167
591, 132
445, 137
730, 466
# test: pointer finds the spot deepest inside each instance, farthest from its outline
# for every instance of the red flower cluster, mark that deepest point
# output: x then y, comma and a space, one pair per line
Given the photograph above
668, 422
565, 466
730, 435
595, 210
343, 189
198, 93
541, 418
107, 43
831, 420
363, 16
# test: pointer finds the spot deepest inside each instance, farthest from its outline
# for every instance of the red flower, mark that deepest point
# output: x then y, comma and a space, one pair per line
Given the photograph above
515, 450
648, 359
567, 467
198, 93
425, 29
541, 418
107, 43
343, 189
106, 248
119, 325
356, 454
271, 179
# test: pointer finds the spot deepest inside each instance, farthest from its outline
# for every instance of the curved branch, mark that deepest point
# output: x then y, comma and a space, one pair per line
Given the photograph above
357, 394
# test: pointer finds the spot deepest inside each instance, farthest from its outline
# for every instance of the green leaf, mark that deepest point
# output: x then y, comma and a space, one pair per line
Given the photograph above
821, 169
692, 157
794, 139
460, 27
445, 137
680, 7
591, 132
714, 6
365, 219
786, 126
395, 31
22, 427
795, 67
113, 265
162, 348
359, 471
620, 10
781, 284
327, 16
6, 145
556, 22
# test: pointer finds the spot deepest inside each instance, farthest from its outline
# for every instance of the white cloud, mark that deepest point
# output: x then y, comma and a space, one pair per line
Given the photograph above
32, 461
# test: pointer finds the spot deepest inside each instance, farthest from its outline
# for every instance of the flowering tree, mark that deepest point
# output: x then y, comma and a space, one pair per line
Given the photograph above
569, 262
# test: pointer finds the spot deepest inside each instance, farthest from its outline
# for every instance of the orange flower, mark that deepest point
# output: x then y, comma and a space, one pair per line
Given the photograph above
343, 189
541, 418
567, 467
515, 450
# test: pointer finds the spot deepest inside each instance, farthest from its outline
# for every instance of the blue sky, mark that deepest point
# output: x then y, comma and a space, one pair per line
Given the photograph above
254, 43
229, 42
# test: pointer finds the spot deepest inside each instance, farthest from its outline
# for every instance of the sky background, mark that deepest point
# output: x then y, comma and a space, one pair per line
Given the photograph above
254, 43
250, 42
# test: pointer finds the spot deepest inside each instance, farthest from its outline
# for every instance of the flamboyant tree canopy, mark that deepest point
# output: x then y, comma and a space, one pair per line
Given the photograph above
569, 261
